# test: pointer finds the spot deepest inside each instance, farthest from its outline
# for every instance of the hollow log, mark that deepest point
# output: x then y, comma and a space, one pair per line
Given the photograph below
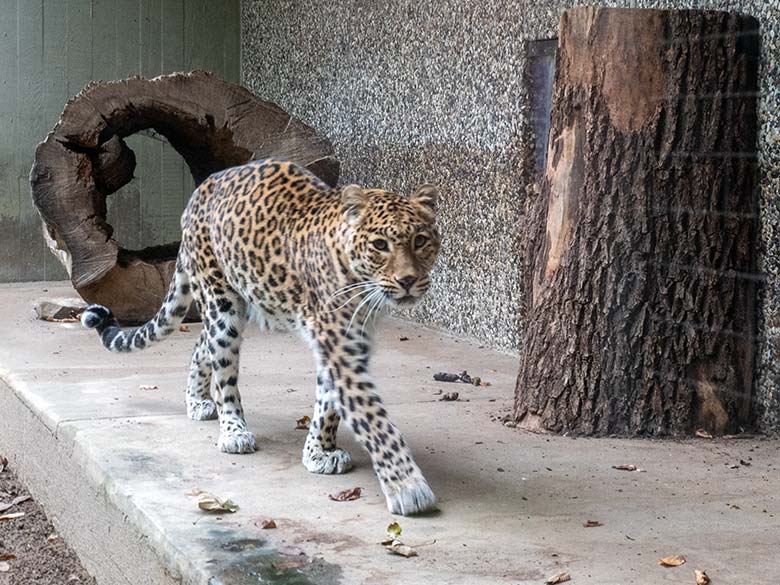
211, 123
641, 256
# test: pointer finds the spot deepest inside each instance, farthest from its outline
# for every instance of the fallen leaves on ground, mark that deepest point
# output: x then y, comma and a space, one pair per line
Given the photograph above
7, 557
302, 423
17, 500
346, 495
449, 397
394, 530
461, 377
12, 516
394, 545
148, 387
626, 467
559, 578
211, 503
592, 524
184, 328
4, 567
701, 577
399, 548
672, 561
3, 463
702, 434
265, 523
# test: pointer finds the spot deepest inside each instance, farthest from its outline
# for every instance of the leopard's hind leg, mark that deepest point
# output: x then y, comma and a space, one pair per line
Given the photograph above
224, 316
200, 406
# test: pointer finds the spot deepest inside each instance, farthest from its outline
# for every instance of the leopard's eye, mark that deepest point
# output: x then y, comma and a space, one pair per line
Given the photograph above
420, 240
380, 244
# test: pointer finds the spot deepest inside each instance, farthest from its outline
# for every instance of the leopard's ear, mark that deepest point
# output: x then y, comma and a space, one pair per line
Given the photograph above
353, 201
428, 196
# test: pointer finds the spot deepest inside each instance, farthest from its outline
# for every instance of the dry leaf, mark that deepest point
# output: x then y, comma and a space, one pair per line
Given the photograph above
449, 397
346, 495
148, 387
628, 467
12, 516
4, 567
184, 328
399, 548
211, 503
672, 561
265, 523
8, 505
302, 423
394, 530
7, 557
3, 463
559, 578
701, 577
702, 434
592, 524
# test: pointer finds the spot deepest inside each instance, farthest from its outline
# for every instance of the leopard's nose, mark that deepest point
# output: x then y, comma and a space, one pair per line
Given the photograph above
406, 281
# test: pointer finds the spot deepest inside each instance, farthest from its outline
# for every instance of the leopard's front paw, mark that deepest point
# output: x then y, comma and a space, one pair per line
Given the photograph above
202, 410
330, 461
237, 441
410, 496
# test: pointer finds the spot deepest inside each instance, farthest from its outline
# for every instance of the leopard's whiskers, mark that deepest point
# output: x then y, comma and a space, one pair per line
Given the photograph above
375, 307
360, 306
349, 287
361, 292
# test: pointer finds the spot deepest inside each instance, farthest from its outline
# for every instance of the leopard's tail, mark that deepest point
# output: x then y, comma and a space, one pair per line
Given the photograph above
165, 322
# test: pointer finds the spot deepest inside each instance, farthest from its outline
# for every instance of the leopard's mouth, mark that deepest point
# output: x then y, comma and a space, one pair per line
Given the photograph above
404, 300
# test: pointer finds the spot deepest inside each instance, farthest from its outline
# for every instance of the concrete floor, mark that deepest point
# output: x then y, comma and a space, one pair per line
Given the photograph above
112, 462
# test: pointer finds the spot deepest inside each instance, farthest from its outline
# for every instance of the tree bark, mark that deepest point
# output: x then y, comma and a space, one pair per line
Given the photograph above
641, 251
211, 123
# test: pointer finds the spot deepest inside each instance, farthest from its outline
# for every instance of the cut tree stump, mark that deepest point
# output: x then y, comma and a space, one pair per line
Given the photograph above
642, 249
211, 123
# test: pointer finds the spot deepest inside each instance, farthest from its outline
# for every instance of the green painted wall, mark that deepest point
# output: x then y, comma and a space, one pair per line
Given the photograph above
50, 49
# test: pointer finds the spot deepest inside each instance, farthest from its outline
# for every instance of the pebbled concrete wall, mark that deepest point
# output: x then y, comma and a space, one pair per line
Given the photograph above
412, 92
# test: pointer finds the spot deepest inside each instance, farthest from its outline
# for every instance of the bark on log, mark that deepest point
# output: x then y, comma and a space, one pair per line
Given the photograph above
642, 248
211, 123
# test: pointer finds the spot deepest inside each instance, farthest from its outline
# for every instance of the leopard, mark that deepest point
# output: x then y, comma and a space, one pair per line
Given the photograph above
270, 243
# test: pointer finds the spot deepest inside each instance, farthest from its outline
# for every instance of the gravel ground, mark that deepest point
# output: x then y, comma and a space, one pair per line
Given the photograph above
31, 551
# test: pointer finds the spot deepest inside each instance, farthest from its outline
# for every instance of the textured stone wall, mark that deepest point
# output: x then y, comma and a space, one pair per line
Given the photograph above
414, 92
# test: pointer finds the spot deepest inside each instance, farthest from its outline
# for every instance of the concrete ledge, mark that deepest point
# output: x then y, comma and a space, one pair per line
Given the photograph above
111, 464
79, 504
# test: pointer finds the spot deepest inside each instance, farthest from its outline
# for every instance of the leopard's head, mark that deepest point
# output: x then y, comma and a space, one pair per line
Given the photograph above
391, 241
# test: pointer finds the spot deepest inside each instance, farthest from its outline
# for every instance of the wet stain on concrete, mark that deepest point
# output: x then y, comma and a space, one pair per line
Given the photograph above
237, 560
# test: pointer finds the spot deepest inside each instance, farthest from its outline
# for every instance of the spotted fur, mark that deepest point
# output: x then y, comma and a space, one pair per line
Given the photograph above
269, 241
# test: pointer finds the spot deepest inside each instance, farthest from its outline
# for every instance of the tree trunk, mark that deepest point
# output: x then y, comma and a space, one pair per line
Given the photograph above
642, 237
211, 123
